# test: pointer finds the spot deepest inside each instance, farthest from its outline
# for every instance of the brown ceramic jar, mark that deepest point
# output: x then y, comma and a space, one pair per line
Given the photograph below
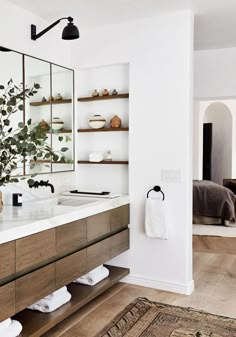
115, 122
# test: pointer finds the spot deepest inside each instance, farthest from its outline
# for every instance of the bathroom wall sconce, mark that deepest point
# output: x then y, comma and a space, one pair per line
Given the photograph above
70, 32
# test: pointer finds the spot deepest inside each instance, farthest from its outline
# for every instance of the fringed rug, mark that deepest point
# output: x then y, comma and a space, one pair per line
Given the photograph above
144, 318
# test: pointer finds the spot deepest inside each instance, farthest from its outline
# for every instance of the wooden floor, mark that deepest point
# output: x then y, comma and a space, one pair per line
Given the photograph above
215, 292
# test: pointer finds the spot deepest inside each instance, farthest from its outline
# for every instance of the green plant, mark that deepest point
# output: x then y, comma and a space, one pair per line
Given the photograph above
24, 143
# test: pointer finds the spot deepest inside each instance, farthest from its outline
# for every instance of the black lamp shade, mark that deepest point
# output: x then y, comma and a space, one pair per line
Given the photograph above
70, 32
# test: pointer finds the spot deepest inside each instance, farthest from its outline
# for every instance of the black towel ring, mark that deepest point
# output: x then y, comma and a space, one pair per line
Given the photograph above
156, 189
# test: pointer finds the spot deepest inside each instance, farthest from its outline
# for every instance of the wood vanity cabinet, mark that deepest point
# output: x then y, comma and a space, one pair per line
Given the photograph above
36, 265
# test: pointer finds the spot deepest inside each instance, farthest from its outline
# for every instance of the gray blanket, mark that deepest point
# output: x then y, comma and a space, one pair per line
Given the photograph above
211, 199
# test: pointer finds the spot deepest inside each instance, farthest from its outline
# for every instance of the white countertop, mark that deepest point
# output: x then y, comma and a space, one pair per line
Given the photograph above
40, 215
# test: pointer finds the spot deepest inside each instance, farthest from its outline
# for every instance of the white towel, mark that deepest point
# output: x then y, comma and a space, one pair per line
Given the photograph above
56, 293
13, 330
156, 218
5, 324
49, 305
94, 276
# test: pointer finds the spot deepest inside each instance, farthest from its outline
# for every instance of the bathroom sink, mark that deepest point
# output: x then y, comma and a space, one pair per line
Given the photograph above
66, 201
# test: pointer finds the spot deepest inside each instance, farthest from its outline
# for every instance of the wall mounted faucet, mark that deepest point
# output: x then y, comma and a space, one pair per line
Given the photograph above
36, 184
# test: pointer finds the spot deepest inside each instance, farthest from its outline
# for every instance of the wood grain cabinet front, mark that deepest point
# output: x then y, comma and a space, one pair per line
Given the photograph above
35, 286
119, 217
36, 249
7, 300
98, 254
70, 268
71, 236
98, 225
7, 259
119, 243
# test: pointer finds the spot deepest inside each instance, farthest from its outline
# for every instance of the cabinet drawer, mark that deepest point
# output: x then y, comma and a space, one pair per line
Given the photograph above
8, 259
7, 301
119, 243
98, 253
119, 217
71, 236
71, 267
98, 225
35, 249
34, 286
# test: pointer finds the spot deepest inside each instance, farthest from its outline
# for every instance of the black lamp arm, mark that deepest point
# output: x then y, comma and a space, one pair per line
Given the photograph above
35, 36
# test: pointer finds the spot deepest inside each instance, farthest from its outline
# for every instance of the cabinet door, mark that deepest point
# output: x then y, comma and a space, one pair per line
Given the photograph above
98, 225
119, 217
71, 267
7, 300
98, 254
35, 249
8, 259
35, 286
119, 243
71, 236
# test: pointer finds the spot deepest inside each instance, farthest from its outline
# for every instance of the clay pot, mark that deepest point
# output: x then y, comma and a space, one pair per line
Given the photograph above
115, 122
114, 92
105, 92
97, 122
57, 124
95, 93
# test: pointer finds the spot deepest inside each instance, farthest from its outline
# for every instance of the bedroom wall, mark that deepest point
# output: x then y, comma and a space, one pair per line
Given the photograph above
159, 51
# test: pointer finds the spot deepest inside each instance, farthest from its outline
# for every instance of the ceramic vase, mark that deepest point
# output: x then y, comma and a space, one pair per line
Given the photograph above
57, 124
97, 122
115, 122
105, 92
95, 93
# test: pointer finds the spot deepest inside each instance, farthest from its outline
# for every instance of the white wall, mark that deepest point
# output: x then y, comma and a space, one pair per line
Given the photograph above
215, 73
15, 34
225, 124
159, 51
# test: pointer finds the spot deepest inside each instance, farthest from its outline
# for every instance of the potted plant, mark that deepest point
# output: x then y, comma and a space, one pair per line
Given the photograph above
25, 143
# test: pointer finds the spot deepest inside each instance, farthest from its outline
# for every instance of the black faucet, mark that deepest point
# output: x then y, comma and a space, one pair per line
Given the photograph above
36, 184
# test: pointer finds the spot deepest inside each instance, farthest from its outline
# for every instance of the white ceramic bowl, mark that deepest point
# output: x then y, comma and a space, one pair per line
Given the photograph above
97, 122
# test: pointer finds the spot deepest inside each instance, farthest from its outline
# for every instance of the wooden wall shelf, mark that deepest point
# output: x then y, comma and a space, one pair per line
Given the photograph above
100, 98
112, 162
59, 101
48, 162
104, 130
35, 324
60, 131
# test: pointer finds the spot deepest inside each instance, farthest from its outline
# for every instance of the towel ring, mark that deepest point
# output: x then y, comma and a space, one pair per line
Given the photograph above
156, 189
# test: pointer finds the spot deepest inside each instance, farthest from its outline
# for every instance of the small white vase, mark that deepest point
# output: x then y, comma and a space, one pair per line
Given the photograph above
97, 122
57, 124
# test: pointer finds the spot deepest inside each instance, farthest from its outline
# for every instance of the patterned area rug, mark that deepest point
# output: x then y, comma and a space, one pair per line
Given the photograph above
144, 318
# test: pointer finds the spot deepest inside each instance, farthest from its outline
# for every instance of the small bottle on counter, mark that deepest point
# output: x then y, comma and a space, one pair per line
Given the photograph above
17, 199
108, 155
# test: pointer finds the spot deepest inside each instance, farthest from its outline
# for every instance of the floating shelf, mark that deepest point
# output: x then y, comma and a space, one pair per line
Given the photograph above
59, 101
100, 98
104, 130
35, 324
60, 131
48, 162
112, 162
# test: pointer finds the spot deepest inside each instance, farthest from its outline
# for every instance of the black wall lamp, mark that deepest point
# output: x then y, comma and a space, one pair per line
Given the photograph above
70, 32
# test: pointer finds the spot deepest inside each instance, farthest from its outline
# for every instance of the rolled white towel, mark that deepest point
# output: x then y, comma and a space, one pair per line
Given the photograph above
13, 330
49, 305
94, 276
5, 324
56, 293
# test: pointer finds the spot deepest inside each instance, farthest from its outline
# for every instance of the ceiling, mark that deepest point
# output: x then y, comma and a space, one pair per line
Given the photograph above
215, 20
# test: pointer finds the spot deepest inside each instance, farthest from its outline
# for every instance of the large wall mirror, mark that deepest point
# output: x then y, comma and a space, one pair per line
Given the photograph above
50, 106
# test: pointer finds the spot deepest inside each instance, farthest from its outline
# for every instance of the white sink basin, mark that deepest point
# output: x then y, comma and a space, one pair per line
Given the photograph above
66, 201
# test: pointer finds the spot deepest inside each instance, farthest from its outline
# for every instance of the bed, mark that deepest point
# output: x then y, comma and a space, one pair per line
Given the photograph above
213, 204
